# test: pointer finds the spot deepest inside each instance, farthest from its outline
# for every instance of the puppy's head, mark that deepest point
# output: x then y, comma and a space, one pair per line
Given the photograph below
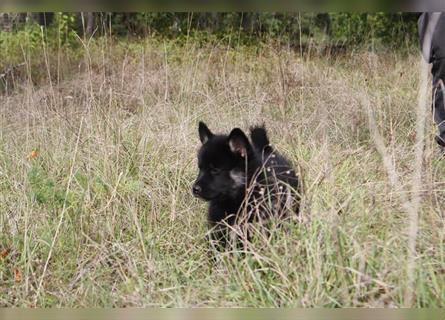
222, 163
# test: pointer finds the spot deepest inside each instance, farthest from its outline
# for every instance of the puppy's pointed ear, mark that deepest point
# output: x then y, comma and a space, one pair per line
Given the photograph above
238, 143
204, 133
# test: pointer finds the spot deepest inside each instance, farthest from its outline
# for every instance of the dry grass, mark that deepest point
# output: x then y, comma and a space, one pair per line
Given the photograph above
102, 215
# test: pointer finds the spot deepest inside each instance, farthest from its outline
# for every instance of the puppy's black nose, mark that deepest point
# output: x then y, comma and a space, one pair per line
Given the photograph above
196, 190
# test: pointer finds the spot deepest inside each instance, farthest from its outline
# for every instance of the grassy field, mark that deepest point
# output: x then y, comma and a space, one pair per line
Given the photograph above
97, 158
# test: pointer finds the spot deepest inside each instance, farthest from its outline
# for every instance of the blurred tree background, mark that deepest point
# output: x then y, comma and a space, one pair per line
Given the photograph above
29, 42
299, 29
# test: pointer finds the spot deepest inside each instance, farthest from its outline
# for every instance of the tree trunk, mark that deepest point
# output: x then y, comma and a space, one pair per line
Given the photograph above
5, 22
246, 22
90, 23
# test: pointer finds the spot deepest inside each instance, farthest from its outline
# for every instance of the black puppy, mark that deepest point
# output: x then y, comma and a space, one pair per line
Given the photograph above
243, 181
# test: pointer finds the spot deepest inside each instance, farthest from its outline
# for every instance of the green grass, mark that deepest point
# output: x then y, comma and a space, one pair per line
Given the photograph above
103, 216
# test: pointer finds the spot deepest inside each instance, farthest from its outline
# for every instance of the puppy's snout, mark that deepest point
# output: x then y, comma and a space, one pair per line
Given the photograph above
196, 189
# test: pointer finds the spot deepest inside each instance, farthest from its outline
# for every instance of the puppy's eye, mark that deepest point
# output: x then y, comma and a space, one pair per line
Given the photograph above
215, 171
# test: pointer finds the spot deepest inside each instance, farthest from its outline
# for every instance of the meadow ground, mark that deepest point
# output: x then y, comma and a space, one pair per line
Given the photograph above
97, 159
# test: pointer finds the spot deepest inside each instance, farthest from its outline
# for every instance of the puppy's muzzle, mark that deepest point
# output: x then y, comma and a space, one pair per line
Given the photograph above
197, 190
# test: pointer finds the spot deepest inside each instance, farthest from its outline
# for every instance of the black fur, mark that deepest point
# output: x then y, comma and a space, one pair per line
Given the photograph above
243, 181
259, 138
